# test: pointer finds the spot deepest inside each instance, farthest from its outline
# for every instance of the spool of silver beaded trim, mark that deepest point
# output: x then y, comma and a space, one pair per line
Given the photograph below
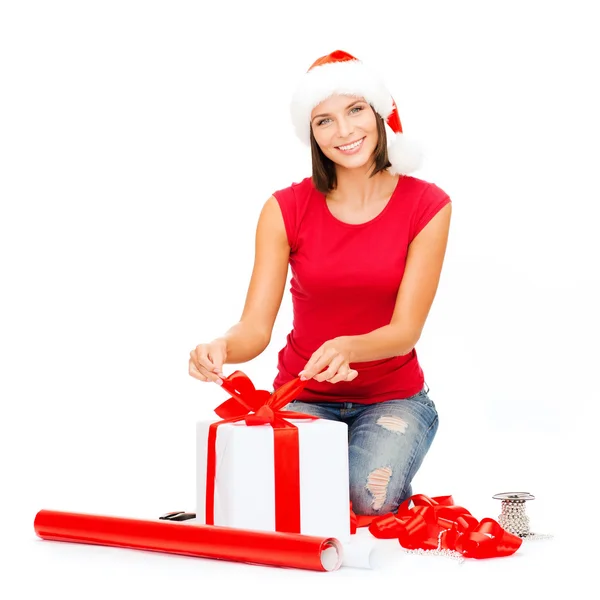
513, 517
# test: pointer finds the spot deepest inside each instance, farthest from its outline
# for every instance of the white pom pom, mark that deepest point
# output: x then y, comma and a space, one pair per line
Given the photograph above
405, 155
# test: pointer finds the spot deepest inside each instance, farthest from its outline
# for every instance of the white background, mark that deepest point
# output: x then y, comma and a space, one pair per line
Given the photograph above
138, 143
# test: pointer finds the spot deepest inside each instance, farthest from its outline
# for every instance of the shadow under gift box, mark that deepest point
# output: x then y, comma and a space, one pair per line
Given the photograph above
244, 490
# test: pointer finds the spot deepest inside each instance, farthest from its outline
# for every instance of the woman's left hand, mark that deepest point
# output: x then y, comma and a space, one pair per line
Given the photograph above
334, 357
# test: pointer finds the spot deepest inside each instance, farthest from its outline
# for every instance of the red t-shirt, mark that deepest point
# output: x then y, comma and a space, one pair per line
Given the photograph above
345, 280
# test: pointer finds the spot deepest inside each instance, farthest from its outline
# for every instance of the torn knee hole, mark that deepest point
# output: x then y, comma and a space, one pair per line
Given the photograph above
377, 484
391, 423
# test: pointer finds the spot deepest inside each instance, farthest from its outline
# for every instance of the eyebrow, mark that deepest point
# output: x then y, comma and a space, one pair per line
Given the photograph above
347, 107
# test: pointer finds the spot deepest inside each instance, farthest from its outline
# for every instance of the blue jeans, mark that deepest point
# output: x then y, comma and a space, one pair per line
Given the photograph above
387, 443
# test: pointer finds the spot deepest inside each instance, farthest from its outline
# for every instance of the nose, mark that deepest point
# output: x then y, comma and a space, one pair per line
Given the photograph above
345, 127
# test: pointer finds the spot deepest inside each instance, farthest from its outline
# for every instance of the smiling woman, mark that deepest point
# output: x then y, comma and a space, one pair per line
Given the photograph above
365, 242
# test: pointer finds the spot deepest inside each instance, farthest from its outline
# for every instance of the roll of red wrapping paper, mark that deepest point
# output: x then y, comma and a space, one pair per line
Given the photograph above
205, 541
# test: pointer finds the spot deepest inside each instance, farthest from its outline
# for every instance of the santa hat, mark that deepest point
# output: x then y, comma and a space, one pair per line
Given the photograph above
342, 73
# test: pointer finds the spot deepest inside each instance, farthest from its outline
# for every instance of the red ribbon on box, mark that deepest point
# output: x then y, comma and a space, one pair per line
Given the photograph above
437, 522
260, 407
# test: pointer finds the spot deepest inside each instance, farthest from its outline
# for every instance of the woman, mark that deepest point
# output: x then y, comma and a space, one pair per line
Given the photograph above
366, 244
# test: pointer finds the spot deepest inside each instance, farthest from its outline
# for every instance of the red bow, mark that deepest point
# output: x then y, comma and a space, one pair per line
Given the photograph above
438, 523
259, 407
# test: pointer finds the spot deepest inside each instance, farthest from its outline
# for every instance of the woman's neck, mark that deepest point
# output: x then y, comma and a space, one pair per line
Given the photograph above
356, 188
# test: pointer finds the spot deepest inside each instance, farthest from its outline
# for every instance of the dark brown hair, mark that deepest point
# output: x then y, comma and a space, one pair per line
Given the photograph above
323, 169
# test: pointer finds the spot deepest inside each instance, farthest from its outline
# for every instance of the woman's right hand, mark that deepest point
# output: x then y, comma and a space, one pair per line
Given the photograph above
206, 361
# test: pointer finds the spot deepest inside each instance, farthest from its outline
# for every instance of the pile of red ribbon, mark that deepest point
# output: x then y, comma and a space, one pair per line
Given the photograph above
429, 524
437, 523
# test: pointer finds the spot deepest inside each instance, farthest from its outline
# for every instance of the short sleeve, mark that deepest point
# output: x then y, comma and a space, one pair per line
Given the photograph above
431, 201
286, 199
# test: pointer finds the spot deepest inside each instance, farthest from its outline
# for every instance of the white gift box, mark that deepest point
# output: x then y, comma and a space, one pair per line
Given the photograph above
244, 493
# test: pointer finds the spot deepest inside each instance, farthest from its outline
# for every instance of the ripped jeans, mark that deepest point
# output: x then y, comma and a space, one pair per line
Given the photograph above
387, 443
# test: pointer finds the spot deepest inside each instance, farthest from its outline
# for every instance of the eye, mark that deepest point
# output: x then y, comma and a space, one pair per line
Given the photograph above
357, 109
319, 123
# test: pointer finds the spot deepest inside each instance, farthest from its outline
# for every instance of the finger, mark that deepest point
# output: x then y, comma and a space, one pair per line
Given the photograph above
217, 357
352, 375
194, 359
309, 367
332, 369
203, 374
316, 364
200, 358
194, 372
204, 365
342, 374
214, 377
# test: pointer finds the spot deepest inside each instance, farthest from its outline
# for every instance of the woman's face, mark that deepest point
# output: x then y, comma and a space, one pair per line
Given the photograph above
345, 128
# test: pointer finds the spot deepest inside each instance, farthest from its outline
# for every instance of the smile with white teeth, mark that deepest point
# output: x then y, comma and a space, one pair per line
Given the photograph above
351, 146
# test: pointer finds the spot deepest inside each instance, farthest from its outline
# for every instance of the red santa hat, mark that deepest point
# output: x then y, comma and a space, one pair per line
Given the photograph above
342, 73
